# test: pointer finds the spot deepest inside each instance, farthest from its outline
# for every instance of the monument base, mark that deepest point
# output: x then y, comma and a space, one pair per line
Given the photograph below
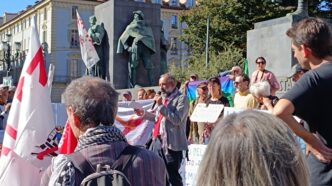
269, 40
116, 15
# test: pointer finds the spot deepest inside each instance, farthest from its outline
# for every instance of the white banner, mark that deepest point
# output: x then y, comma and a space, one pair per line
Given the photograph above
136, 130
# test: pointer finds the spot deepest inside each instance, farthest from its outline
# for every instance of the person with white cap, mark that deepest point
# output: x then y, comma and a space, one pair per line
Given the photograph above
127, 96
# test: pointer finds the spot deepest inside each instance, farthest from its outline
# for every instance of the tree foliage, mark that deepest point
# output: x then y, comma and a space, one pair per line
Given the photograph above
219, 62
231, 19
229, 22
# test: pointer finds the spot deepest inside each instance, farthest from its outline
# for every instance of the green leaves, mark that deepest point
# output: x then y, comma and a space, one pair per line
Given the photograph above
218, 62
230, 20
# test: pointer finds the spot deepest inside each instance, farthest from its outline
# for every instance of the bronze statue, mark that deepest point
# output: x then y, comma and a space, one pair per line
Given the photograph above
164, 46
302, 8
139, 42
97, 32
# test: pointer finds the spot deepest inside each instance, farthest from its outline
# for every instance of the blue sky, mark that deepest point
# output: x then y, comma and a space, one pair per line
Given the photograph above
13, 6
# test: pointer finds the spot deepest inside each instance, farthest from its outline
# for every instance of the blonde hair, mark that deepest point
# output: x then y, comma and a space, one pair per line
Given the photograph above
252, 148
261, 88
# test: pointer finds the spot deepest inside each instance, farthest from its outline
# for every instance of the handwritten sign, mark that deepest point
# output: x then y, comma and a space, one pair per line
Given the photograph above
196, 153
208, 114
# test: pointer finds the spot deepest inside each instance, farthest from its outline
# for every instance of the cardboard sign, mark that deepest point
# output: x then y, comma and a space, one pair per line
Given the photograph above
206, 114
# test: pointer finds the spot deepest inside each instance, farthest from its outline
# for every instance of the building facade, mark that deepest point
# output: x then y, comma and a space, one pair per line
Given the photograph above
57, 27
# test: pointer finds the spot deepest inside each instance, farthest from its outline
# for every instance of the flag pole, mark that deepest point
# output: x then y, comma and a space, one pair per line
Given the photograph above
50, 76
207, 42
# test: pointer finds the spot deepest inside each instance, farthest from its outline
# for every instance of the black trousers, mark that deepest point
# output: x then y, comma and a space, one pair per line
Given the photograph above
172, 161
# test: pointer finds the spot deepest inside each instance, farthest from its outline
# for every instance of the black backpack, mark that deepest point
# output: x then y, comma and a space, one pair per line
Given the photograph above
105, 174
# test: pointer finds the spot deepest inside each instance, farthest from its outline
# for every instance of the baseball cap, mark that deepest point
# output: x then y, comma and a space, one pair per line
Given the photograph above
202, 85
194, 75
127, 93
295, 69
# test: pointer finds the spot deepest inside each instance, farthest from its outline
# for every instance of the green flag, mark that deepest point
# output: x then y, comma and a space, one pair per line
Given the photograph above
246, 68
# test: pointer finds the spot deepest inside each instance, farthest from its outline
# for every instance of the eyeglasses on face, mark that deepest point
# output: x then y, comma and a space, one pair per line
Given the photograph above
204, 88
260, 62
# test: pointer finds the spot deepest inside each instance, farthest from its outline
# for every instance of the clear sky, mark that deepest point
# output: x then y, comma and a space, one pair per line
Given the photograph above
13, 6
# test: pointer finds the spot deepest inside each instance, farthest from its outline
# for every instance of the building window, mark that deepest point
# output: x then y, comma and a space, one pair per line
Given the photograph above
73, 12
174, 3
174, 46
29, 22
45, 14
73, 69
174, 21
74, 39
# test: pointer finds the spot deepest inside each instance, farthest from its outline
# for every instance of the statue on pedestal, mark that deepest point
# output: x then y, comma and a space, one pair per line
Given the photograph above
164, 46
139, 42
96, 33
302, 9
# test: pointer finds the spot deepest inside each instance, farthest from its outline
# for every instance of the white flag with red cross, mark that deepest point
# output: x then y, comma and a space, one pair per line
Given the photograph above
30, 135
88, 51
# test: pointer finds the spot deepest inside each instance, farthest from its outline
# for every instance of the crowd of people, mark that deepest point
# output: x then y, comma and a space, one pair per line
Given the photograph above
246, 148
142, 94
255, 93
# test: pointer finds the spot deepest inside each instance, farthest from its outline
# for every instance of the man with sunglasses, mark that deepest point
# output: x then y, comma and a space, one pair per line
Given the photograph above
242, 98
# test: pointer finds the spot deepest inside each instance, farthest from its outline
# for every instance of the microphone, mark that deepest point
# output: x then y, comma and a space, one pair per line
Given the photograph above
155, 102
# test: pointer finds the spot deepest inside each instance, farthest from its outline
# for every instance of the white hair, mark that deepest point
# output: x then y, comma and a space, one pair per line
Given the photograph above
260, 89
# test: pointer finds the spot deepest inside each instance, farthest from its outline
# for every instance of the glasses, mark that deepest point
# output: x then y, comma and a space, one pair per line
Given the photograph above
204, 88
260, 62
236, 83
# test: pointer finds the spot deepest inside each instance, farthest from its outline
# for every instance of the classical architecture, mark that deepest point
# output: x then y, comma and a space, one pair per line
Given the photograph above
56, 23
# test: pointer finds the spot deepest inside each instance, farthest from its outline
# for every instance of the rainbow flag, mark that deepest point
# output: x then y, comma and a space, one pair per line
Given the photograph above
227, 88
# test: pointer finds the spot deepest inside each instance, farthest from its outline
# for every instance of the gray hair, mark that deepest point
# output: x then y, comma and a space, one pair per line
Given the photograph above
252, 148
93, 100
261, 88
170, 78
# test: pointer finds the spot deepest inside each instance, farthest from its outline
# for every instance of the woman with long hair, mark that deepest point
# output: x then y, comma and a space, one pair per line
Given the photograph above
252, 148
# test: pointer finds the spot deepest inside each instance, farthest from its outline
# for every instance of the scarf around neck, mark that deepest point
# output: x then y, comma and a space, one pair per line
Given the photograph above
100, 135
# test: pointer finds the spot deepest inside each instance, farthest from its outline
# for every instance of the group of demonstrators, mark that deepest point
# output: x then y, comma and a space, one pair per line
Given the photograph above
142, 94
246, 148
255, 93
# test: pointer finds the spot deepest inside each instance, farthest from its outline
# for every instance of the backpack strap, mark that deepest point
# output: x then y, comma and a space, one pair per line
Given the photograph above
128, 154
81, 163
85, 168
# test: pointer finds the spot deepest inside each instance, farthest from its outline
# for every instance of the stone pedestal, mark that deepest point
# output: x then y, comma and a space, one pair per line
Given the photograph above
116, 15
269, 39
